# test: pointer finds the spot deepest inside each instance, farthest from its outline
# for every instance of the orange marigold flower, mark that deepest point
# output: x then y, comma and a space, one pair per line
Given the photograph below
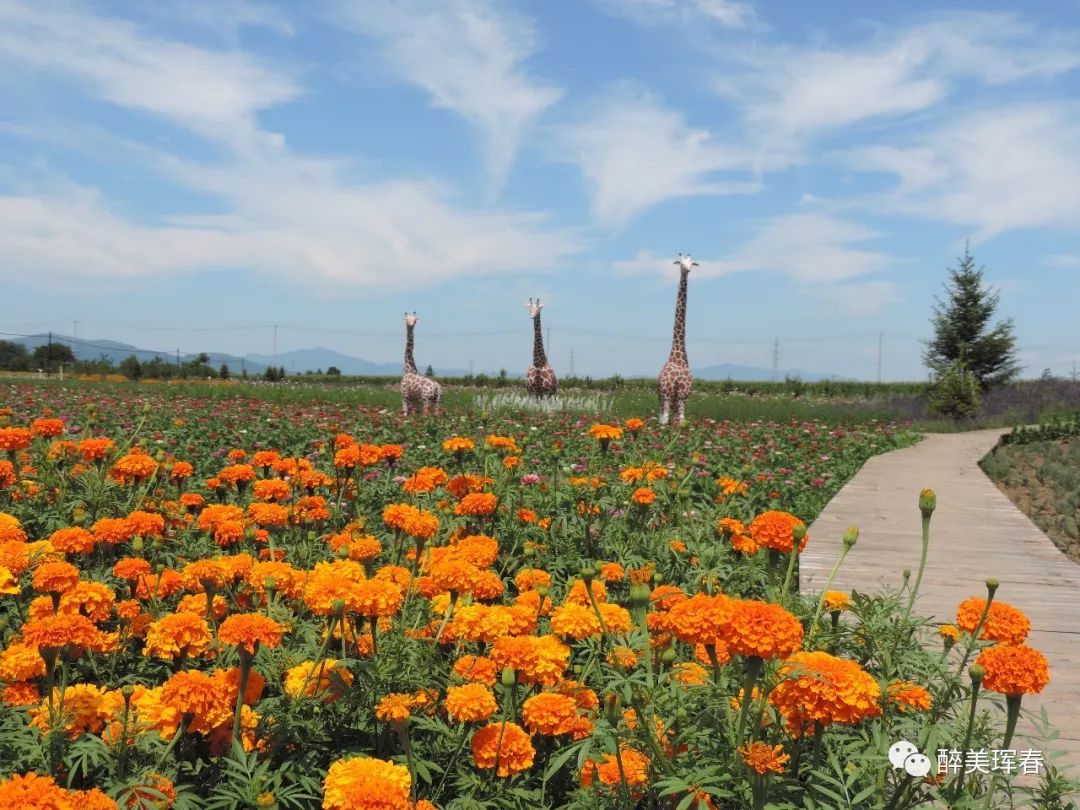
366, 783
477, 504
607, 771
9, 586
701, 619
13, 439
476, 669
458, 445
505, 443
95, 449
906, 696
949, 632
113, 530
248, 630
271, 489
264, 458
1014, 669
837, 600
395, 707
33, 792
730, 486
774, 530
73, 540
426, 479
479, 549
536, 659
237, 474
181, 470
819, 688
327, 680
762, 630
612, 572
60, 630
391, 452
84, 710
605, 433
20, 662
690, 673
20, 693
7, 474
471, 703
529, 579
550, 714
764, 758
55, 577
199, 696
133, 468
643, 496
633, 424
131, 568
146, 524
575, 621
1003, 623
377, 597
526, 515
47, 428
506, 743
177, 634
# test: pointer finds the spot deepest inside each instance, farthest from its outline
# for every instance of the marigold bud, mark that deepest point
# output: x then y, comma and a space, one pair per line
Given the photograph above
976, 672
509, 677
851, 534
612, 704
927, 502
992, 586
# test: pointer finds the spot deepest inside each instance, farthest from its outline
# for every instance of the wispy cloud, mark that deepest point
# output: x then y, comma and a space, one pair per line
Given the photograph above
215, 93
994, 170
727, 13
823, 254
469, 56
635, 153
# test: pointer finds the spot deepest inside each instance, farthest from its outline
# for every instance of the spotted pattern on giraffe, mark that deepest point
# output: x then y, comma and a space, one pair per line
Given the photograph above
540, 381
675, 381
418, 393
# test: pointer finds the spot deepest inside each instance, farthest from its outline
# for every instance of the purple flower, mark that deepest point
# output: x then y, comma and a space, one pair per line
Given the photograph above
530, 478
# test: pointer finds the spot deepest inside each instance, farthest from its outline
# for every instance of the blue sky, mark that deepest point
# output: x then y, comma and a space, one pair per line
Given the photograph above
185, 174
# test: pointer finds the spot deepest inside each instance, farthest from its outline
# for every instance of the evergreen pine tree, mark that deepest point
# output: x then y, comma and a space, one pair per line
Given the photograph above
963, 330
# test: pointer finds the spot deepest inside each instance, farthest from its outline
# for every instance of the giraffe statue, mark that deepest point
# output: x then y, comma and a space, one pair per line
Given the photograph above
675, 381
540, 379
417, 391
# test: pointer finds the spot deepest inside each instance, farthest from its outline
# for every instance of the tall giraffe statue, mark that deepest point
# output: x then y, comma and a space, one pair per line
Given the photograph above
675, 382
540, 379
417, 391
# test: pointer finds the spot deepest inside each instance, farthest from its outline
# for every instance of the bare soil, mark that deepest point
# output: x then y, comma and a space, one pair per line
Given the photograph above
1043, 480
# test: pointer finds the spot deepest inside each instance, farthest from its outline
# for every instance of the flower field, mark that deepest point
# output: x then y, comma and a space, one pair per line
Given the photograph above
228, 602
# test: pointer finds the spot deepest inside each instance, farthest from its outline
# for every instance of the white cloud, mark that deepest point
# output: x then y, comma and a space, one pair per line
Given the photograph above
635, 153
995, 170
213, 93
821, 253
1063, 260
728, 13
230, 16
469, 56
797, 92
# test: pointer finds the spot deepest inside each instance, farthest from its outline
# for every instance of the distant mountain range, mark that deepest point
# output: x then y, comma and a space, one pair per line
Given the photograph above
321, 358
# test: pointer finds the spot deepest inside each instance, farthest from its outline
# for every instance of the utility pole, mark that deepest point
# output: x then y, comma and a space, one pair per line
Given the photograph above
776, 358
48, 358
880, 336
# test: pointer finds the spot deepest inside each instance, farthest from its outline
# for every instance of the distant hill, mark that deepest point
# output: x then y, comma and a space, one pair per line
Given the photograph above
322, 358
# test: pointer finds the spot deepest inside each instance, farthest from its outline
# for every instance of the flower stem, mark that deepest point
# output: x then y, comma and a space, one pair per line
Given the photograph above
753, 669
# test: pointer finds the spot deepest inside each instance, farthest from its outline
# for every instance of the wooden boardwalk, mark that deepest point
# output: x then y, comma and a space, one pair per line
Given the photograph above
975, 533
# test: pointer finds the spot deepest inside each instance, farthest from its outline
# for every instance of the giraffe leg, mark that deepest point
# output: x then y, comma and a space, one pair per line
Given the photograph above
680, 411
664, 408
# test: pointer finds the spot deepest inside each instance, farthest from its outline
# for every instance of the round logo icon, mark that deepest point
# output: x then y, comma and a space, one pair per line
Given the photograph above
917, 765
899, 752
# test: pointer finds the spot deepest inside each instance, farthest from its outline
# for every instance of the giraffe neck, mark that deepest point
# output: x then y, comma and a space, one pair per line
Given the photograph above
678, 339
539, 358
410, 364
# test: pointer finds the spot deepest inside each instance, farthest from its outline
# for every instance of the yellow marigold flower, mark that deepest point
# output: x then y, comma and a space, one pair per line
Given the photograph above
366, 784
607, 771
505, 443
506, 743
836, 601
575, 621
764, 758
471, 703
949, 632
377, 597
84, 710
605, 433
690, 673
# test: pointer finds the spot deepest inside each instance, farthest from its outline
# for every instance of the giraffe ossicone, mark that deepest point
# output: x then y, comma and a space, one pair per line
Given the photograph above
675, 381
418, 393
540, 381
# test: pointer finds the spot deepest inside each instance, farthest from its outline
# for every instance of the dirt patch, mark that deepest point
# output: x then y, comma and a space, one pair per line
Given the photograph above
1043, 480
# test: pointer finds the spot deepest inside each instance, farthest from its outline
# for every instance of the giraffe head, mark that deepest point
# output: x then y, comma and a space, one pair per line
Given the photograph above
685, 263
410, 320
534, 308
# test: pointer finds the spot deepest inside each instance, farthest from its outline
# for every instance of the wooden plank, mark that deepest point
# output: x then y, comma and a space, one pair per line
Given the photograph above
976, 533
